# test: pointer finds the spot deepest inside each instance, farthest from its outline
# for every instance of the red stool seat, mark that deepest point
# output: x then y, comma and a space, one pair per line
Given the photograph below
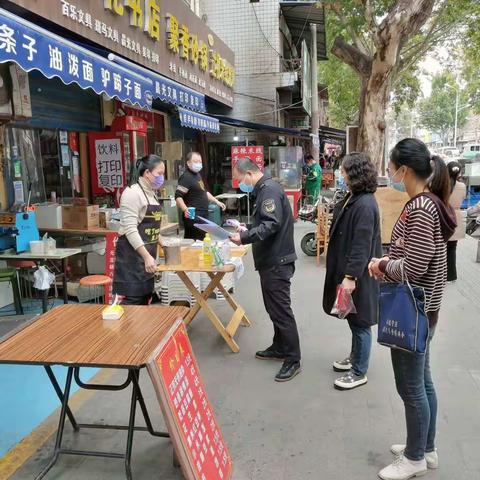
21, 264
95, 280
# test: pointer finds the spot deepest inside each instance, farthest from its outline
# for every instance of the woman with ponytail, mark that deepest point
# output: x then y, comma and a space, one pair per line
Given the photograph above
459, 192
140, 216
418, 250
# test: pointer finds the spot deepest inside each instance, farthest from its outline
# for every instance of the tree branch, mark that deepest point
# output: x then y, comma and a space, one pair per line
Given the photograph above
370, 18
352, 56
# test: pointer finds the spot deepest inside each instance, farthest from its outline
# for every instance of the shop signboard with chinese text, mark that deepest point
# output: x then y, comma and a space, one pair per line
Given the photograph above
254, 153
193, 428
110, 257
162, 35
106, 162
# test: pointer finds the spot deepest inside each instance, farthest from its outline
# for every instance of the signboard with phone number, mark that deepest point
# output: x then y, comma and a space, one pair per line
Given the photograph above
197, 438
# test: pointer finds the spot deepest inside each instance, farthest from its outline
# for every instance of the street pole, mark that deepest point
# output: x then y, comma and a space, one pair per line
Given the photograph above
315, 112
457, 99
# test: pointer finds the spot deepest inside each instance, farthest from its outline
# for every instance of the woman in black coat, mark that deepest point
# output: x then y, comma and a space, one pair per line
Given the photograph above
354, 240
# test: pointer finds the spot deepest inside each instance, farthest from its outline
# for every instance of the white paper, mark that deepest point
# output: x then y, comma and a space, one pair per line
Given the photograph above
18, 188
109, 162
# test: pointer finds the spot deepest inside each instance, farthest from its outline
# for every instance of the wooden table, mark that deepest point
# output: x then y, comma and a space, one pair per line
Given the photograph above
76, 336
61, 254
192, 262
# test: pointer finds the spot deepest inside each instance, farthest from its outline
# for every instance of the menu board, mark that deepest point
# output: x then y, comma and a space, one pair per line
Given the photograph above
196, 436
254, 153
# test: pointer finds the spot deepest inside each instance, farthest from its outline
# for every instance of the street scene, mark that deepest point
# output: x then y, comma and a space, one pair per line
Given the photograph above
239, 239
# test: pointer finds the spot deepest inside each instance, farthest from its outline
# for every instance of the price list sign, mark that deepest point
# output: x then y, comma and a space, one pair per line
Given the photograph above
110, 256
254, 153
197, 438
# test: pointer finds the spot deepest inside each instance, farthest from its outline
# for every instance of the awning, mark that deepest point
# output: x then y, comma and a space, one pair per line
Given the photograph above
299, 15
198, 121
34, 48
330, 132
234, 122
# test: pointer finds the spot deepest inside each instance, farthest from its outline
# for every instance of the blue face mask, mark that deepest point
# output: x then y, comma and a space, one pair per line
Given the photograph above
245, 188
399, 186
196, 167
158, 181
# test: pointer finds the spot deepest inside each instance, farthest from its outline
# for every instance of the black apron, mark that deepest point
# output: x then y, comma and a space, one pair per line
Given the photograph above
130, 278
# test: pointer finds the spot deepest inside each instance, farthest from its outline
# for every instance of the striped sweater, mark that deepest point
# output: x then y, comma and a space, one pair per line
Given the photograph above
419, 248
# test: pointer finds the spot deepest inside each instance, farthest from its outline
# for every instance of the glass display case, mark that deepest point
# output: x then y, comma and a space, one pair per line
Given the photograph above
286, 166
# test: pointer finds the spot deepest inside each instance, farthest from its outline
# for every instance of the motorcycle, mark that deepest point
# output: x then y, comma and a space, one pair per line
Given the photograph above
473, 219
309, 213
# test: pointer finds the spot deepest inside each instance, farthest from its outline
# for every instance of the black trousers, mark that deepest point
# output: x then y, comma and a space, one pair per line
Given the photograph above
131, 300
276, 283
191, 231
452, 261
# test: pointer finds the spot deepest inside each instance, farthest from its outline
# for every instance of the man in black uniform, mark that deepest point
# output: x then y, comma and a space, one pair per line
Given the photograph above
191, 193
274, 254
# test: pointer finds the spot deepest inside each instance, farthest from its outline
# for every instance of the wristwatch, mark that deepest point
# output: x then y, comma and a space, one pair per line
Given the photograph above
349, 277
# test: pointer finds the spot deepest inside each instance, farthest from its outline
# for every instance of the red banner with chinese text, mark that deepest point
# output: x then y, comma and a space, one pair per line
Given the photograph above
193, 415
110, 256
255, 153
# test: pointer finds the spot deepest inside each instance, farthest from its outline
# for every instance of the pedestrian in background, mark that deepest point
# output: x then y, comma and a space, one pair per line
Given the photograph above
418, 252
458, 195
354, 240
274, 254
313, 180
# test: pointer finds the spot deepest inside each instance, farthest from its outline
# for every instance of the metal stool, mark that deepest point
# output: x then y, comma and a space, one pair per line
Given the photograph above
95, 282
10, 275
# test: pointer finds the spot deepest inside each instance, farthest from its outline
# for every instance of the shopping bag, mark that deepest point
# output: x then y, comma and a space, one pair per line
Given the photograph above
343, 305
402, 321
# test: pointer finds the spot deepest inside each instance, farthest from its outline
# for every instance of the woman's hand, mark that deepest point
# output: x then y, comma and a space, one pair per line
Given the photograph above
222, 206
374, 268
349, 285
150, 264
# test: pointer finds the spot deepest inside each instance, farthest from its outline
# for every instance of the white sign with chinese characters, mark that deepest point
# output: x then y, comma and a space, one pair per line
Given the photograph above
109, 163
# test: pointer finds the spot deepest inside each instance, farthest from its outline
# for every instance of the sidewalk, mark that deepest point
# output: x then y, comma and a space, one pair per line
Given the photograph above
303, 429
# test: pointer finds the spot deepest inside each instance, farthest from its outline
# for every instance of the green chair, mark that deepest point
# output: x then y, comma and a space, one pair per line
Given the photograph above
10, 275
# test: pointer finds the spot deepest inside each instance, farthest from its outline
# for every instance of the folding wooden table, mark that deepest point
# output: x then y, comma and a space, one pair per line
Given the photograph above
76, 336
192, 262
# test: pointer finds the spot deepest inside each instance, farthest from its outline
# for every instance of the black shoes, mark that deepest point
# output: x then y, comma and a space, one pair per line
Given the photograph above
288, 371
270, 354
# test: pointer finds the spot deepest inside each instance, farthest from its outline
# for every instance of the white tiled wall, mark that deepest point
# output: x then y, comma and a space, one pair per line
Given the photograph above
256, 57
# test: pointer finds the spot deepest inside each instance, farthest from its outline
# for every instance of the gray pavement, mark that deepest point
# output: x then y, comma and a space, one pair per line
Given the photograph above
304, 429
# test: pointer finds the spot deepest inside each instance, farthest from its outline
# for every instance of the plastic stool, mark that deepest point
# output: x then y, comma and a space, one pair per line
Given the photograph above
10, 275
96, 281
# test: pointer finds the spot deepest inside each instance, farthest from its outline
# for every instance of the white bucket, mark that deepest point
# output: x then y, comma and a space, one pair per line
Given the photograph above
36, 246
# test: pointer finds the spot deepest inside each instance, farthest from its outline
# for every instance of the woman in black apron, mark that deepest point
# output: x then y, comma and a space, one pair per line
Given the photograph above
140, 216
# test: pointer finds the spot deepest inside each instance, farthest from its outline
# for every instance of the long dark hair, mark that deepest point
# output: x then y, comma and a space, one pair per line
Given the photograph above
362, 174
454, 170
414, 154
142, 165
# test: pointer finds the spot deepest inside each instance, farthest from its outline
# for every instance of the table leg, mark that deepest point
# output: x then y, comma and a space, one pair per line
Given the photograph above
202, 303
64, 280
59, 393
131, 427
61, 426
206, 294
44, 301
233, 303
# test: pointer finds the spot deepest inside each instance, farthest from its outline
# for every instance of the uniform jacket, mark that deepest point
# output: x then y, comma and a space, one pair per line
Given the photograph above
271, 232
354, 241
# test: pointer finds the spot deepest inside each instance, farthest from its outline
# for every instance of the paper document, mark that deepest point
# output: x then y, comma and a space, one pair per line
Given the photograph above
212, 228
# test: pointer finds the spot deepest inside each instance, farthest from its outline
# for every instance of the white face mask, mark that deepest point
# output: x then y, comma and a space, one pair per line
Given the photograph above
196, 167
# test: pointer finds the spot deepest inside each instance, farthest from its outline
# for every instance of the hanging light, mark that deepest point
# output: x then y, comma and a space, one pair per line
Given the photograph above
235, 137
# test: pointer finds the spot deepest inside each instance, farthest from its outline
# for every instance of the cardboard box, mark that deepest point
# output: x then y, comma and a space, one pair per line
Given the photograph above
49, 216
80, 218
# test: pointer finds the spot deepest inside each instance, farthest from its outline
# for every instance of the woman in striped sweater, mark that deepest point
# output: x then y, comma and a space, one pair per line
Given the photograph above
419, 249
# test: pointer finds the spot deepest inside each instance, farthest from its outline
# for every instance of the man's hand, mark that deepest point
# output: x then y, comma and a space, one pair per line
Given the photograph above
235, 238
222, 206
349, 285
150, 264
186, 213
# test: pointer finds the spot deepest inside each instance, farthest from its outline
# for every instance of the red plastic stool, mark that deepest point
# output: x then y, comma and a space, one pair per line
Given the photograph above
95, 281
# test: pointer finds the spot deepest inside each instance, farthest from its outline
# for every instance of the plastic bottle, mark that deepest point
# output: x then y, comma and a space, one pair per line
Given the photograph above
226, 250
207, 251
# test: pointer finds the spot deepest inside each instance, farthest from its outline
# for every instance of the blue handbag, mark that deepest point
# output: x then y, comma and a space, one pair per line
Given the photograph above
402, 321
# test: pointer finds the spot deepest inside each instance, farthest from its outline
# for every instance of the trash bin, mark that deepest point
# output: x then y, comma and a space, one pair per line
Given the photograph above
215, 214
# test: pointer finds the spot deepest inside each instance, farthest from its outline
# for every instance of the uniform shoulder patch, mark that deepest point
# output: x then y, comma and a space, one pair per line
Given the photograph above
269, 205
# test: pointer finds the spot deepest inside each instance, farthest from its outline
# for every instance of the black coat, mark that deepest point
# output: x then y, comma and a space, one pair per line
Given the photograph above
354, 241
